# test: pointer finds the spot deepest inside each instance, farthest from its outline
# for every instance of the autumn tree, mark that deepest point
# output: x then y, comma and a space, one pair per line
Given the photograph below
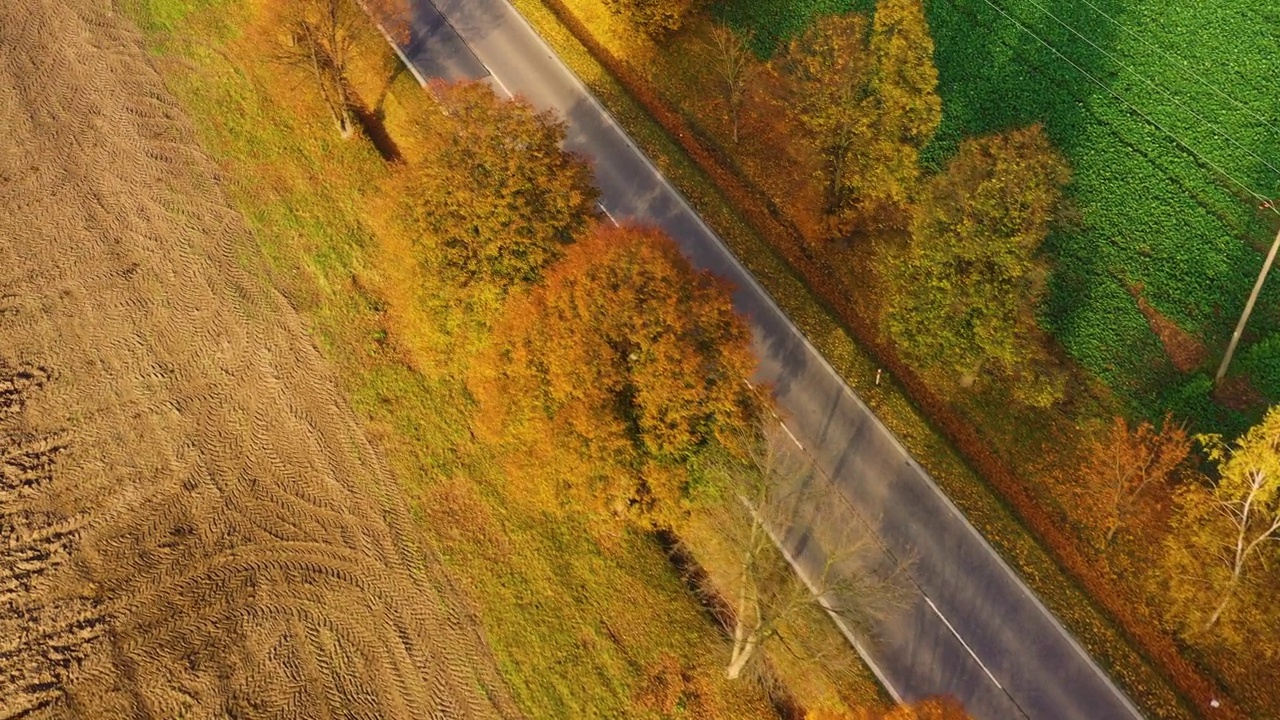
631, 357
657, 18
494, 190
765, 500
1223, 532
1129, 461
322, 36
830, 68
905, 112
869, 103
964, 290
729, 55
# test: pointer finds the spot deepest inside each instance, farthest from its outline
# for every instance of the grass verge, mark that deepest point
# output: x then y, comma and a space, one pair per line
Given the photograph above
756, 233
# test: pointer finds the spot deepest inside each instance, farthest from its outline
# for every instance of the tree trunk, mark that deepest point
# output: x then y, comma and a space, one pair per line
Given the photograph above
326, 72
346, 125
317, 66
969, 379
1226, 598
1243, 552
833, 187
743, 650
1111, 534
1117, 519
744, 643
838, 159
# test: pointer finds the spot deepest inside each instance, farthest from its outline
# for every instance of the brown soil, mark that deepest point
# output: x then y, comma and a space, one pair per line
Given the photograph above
1183, 350
1240, 395
192, 523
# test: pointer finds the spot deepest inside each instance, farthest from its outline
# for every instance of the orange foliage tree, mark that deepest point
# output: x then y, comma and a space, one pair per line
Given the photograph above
1127, 462
629, 357
495, 190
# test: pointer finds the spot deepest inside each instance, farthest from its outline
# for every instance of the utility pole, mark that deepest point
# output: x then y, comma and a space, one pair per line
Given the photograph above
1248, 308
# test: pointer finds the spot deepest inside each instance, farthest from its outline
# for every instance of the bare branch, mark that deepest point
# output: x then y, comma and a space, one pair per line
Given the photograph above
322, 36
730, 56
776, 510
1248, 495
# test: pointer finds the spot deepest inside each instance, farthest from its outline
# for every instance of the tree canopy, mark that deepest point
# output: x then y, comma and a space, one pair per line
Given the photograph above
495, 191
729, 55
905, 106
1222, 533
965, 289
830, 67
772, 492
630, 355
869, 102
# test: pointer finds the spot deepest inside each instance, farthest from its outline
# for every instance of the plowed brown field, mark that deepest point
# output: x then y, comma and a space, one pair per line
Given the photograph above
192, 523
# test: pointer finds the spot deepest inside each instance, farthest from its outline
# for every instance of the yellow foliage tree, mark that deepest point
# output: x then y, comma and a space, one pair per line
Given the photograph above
494, 190
629, 357
963, 292
830, 67
869, 105
1219, 534
906, 111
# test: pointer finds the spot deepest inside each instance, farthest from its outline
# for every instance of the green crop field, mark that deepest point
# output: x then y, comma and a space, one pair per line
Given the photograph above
1165, 108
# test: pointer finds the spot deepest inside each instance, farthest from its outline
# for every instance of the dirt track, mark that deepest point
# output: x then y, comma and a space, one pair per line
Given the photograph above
192, 523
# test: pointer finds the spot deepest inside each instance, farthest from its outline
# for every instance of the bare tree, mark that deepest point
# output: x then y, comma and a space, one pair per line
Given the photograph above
793, 550
323, 36
730, 56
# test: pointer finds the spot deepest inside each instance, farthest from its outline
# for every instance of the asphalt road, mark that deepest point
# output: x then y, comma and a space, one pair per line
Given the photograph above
972, 629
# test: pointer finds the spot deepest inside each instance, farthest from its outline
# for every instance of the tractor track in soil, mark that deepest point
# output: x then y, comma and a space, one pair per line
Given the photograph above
192, 521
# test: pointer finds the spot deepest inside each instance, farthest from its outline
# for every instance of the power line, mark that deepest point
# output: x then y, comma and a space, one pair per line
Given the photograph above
1137, 110
1185, 68
1160, 89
